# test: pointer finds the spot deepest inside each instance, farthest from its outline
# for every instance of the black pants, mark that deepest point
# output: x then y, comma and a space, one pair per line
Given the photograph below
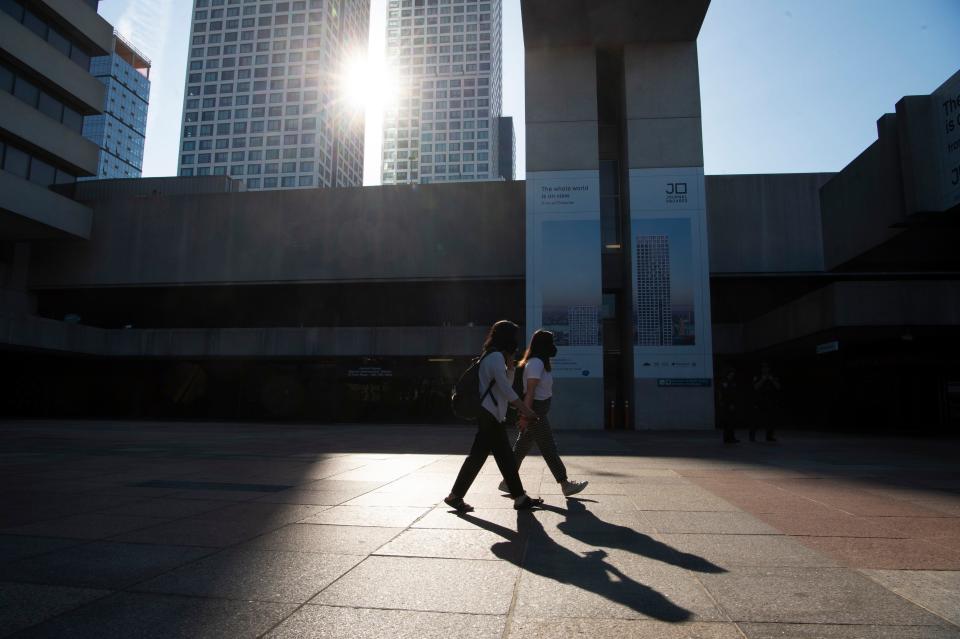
491, 438
540, 433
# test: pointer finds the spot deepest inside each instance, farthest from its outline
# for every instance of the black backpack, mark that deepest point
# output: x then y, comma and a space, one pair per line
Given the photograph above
465, 399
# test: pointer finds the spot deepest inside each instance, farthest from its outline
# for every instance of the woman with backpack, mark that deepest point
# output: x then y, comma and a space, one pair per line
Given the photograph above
537, 392
496, 371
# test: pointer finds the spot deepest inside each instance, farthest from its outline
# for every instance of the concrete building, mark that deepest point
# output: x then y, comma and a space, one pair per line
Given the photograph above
448, 56
45, 91
263, 100
365, 304
121, 130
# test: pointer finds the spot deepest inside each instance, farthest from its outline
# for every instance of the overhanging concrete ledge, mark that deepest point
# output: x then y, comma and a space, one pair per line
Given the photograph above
32, 332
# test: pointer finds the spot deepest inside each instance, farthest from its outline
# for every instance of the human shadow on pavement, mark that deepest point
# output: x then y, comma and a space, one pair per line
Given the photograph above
590, 571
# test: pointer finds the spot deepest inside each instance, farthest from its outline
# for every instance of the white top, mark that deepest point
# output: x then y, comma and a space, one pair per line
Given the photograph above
534, 369
494, 367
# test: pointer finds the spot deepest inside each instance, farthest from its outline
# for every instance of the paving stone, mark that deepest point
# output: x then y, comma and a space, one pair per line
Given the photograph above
935, 590
167, 508
200, 532
920, 527
454, 544
261, 575
339, 540
811, 595
600, 585
689, 498
829, 524
264, 513
412, 499
353, 488
86, 526
23, 605
15, 546
444, 517
383, 516
728, 551
326, 622
828, 631
522, 628
902, 554
101, 564
309, 497
441, 585
721, 523
146, 616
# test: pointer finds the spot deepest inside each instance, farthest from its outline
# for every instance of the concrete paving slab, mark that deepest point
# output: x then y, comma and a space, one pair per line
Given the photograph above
683, 498
718, 523
728, 551
260, 575
380, 516
24, 605
309, 497
849, 631
164, 508
266, 514
422, 499
200, 532
551, 628
338, 540
935, 590
453, 544
15, 546
813, 596
440, 585
101, 564
832, 523
445, 518
897, 554
326, 622
86, 526
146, 616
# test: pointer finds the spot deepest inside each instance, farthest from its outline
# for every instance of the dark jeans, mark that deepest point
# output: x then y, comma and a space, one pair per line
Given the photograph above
491, 438
541, 433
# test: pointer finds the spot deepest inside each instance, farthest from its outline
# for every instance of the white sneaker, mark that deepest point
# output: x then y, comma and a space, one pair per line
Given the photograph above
503, 487
573, 487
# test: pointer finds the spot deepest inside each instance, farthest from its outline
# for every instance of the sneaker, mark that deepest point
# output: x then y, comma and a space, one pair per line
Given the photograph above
503, 487
573, 487
458, 504
526, 502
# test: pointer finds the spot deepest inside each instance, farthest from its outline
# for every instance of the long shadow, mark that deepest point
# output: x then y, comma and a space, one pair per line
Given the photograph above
590, 571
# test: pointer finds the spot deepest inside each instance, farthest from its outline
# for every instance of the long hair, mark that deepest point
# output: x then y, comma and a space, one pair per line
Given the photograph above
541, 346
501, 337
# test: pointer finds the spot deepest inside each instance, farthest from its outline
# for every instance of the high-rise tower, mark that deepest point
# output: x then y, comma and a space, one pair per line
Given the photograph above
263, 99
444, 126
121, 130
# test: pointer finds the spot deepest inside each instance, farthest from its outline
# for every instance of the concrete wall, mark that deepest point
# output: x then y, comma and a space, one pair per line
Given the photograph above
430, 232
48, 135
765, 223
662, 85
30, 211
561, 109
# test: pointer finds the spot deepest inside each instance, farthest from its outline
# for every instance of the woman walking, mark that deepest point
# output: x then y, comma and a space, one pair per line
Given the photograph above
538, 391
497, 368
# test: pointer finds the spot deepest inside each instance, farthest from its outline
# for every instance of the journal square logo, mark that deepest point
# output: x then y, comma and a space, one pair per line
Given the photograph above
676, 193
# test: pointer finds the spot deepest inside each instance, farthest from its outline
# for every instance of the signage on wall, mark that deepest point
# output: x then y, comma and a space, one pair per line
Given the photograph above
947, 109
683, 382
575, 192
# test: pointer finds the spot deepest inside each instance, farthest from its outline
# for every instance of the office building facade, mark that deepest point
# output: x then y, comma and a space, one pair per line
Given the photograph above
46, 89
447, 55
121, 130
263, 100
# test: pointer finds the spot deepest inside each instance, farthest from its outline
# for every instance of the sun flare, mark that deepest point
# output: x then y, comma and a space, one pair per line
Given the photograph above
366, 83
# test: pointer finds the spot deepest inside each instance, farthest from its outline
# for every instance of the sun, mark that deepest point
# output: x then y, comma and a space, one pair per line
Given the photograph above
367, 83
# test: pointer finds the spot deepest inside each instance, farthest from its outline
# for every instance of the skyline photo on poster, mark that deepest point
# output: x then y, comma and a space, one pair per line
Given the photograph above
569, 279
663, 281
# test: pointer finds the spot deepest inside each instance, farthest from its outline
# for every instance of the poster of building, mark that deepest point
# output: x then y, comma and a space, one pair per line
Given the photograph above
670, 275
564, 285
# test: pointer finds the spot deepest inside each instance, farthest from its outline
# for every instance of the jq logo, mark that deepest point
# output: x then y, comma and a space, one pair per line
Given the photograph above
676, 193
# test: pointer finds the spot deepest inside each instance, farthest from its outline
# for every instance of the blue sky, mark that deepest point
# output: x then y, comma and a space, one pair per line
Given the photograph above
786, 85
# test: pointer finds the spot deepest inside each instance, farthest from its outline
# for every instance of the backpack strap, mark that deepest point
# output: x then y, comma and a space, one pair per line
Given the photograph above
489, 390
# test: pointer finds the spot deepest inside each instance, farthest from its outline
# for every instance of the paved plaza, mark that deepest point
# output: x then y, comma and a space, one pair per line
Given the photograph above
169, 530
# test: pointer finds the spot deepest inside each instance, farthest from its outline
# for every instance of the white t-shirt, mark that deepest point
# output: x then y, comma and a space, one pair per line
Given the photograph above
494, 367
534, 369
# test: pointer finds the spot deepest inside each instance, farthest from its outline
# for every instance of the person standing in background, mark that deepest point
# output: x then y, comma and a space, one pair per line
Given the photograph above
728, 401
766, 388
